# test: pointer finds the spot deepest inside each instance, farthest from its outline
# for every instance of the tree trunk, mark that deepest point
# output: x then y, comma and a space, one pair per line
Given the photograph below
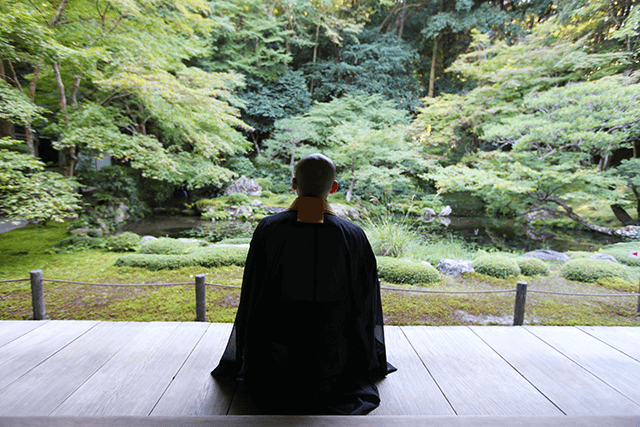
432, 73
350, 192
32, 94
315, 53
402, 18
255, 143
70, 158
621, 214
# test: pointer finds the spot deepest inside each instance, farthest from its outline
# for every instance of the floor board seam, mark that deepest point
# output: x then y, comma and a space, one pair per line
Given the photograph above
428, 371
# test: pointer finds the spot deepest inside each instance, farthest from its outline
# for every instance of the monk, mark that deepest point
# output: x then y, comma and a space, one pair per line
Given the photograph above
308, 336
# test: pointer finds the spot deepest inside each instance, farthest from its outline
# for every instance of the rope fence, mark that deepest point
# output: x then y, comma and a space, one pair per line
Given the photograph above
39, 309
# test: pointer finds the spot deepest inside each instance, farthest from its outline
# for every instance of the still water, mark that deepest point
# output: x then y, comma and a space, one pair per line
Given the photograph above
500, 233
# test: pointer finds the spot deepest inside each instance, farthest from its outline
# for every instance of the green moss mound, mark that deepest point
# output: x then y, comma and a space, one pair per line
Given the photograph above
203, 257
400, 271
533, 267
498, 266
123, 242
590, 270
167, 246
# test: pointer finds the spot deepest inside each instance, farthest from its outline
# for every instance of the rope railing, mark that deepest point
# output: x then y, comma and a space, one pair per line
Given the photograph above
39, 311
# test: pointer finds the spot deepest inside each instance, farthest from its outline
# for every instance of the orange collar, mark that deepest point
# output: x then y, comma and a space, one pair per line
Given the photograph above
311, 209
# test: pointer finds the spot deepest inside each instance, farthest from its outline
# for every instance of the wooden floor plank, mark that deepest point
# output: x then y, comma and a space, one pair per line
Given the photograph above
610, 365
12, 329
46, 386
28, 351
132, 382
570, 387
194, 392
411, 390
322, 421
625, 339
474, 379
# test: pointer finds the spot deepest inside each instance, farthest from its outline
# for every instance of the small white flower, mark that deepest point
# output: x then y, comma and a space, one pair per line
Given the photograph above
191, 275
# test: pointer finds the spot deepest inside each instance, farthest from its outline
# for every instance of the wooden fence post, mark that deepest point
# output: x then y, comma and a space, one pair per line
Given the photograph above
201, 299
37, 295
521, 299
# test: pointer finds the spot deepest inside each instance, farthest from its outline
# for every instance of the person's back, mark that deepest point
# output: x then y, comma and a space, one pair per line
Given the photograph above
308, 334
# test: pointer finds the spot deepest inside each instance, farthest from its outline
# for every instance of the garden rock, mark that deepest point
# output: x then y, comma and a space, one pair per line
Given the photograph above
274, 209
239, 210
429, 213
344, 211
147, 239
454, 267
244, 185
446, 211
605, 257
548, 255
121, 213
256, 203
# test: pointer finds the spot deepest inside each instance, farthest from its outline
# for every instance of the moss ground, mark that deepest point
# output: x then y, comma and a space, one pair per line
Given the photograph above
29, 248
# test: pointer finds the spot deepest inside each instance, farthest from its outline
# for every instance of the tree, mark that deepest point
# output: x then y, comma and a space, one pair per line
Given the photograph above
522, 184
26, 190
364, 135
116, 71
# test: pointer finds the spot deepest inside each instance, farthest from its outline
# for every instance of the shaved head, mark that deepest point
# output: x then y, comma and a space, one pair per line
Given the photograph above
315, 174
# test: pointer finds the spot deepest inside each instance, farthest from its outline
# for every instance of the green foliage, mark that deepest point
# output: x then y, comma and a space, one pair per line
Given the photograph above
238, 199
498, 266
123, 242
118, 183
203, 257
241, 166
533, 266
399, 271
265, 184
28, 191
267, 101
364, 135
590, 270
247, 38
167, 246
371, 63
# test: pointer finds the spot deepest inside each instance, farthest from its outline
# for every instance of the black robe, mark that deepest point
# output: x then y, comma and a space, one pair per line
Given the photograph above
308, 336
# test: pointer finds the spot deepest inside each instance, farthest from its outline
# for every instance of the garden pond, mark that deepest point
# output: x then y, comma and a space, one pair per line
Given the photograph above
503, 234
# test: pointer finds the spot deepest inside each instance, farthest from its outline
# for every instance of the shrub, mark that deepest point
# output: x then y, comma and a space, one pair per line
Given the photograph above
498, 266
204, 257
533, 266
266, 194
590, 270
166, 246
123, 242
219, 256
204, 205
265, 184
238, 199
281, 188
400, 271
